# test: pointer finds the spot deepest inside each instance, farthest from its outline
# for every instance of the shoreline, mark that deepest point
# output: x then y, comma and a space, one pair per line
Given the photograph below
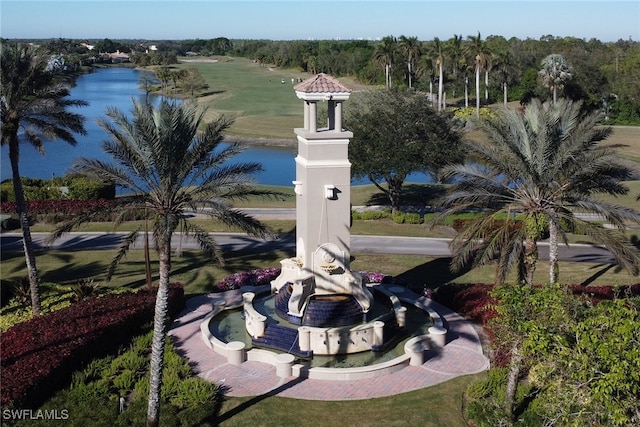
261, 141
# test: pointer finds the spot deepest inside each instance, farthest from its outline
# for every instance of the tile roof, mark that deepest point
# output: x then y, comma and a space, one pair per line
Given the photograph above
321, 83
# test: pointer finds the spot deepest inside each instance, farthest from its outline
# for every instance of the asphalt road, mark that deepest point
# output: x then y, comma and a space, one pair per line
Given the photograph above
240, 242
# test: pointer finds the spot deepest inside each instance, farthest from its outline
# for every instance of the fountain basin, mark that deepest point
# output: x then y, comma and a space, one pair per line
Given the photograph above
407, 351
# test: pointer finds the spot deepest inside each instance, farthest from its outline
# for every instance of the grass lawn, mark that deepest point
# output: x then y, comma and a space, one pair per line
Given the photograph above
264, 107
434, 406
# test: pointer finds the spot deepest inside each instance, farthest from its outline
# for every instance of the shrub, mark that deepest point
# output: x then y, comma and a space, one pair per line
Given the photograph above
21, 291
84, 288
256, 277
493, 384
40, 354
70, 187
87, 189
408, 218
371, 215
193, 392
124, 381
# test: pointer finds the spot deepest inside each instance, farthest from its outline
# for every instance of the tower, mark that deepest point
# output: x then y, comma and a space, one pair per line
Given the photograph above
323, 203
323, 171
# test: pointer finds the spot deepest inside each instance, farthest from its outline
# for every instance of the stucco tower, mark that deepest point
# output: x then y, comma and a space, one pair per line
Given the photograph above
323, 202
323, 171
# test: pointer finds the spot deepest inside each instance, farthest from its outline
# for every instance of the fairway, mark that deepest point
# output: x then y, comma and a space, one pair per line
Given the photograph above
261, 97
266, 110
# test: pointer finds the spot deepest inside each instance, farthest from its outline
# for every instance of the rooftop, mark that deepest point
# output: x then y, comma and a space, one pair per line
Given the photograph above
321, 83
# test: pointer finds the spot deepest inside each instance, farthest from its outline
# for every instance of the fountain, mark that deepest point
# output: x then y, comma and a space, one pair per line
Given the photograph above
322, 307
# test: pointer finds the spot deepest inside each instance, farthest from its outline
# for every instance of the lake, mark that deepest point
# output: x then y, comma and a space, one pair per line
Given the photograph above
116, 87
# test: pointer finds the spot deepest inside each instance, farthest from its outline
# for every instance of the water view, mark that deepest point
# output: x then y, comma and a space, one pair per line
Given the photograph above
116, 87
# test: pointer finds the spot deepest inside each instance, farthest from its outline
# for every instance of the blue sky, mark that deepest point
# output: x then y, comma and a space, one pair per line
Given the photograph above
304, 19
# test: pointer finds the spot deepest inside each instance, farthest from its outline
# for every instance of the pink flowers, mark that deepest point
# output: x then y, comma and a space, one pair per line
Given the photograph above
256, 277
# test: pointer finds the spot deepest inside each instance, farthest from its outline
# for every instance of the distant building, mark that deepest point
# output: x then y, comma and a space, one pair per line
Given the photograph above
118, 57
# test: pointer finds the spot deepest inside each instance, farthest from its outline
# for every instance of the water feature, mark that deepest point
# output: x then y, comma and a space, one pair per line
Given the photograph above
229, 326
317, 310
116, 87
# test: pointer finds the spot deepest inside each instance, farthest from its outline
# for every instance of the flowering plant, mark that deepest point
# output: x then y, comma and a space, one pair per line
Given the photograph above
257, 277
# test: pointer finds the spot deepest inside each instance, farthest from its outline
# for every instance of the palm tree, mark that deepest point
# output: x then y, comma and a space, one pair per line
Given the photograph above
410, 46
385, 56
504, 65
456, 55
170, 169
543, 165
438, 52
34, 109
555, 72
479, 51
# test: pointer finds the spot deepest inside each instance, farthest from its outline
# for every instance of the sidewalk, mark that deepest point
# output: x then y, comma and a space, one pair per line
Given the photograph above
461, 356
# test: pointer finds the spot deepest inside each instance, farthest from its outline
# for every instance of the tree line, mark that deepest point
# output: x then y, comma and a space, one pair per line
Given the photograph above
605, 75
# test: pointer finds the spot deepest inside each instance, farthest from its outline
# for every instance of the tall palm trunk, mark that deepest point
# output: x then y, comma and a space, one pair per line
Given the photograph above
478, 90
21, 208
466, 92
431, 90
409, 70
387, 75
553, 253
530, 259
440, 88
504, 93
512, 379
159, 331
486, 87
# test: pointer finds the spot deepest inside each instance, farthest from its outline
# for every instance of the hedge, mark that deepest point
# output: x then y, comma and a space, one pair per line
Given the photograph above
39, 356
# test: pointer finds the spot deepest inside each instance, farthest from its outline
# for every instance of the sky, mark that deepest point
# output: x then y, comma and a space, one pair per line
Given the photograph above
318, 20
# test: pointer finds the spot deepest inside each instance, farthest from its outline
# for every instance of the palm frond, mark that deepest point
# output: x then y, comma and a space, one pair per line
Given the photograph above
206, 242
124, 247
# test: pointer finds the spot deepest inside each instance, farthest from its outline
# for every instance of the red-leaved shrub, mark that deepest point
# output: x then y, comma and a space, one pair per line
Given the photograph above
39, 356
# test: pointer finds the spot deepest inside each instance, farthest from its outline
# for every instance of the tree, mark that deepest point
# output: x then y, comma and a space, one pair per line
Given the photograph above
396, 133
555, 73
537, 169
438, 52
505, 65
34, 108
146, 82
192, 80
455, 53
529, 323
170, 169
481, 58
164, 75
385, 56
592, 379
410, 46
578, 357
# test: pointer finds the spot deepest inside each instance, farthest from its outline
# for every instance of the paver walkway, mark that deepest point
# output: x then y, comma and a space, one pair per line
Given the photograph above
461, 356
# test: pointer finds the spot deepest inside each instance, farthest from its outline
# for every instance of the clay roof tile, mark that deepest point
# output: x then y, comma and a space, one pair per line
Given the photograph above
321, 83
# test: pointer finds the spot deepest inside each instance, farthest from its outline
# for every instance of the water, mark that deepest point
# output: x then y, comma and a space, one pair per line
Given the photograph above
116, 87
230, 326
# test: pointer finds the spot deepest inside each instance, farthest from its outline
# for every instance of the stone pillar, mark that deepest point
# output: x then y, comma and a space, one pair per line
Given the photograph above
304, 338
331, 112
378, 333
313, 117
437, 337
236, 353
401, 316
284, 365
306, 115
338, 116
